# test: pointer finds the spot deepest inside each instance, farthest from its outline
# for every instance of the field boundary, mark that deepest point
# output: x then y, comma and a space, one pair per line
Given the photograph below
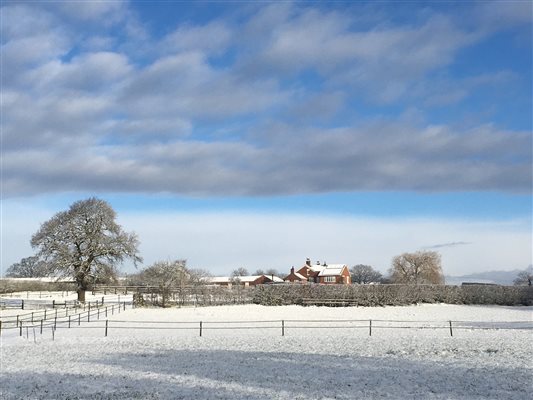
282, 325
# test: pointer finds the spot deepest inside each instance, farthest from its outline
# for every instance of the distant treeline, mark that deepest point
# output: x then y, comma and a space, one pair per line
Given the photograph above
392, 295
8, 285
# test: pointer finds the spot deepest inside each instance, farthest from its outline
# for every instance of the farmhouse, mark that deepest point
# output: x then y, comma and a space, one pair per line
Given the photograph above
320, 273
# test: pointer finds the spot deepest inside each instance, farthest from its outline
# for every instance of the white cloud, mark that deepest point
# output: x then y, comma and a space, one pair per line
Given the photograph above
382, 156
503, 14
181, 123
100, 11
212, 38
385, 61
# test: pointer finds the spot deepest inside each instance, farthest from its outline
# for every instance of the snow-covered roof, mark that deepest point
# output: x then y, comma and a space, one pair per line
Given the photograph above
332, 270
243, 279
316, 267
218, 279
300, 276
247, 278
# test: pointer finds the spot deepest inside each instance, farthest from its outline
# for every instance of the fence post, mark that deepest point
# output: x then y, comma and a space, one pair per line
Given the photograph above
55, 323
79, 319
370, 328
32, 317
53, 304
56, 313
17, 320
45, 313
124, 306
103, 299
106, 311
41, 327
113, 309
89, 315
106, 324
0, 328
98, 314
451, 331
200, 328
282, 327
20, 328
69, 321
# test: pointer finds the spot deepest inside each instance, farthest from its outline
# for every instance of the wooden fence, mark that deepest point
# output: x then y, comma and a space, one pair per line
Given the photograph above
61, 318
98, 319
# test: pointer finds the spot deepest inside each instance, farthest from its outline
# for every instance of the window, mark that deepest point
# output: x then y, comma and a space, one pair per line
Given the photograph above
329, 279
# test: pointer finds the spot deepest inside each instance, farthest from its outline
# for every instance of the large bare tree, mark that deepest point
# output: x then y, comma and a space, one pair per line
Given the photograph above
85, 243
422, 267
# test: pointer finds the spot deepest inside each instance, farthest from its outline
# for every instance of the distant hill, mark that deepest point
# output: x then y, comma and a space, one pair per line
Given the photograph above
499, 277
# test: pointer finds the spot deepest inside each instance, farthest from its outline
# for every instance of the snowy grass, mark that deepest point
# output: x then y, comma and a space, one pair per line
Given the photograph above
311, 363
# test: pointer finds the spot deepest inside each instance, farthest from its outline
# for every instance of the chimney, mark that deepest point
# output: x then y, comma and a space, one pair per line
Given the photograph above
308, 262
325, 264
292, 270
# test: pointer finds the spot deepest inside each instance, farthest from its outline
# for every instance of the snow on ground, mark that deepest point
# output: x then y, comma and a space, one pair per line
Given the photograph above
306, 363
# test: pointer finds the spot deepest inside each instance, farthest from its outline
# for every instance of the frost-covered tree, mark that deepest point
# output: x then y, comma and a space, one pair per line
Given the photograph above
29, 267
525, 277
365, 274
417, 268
166, 275
85, 243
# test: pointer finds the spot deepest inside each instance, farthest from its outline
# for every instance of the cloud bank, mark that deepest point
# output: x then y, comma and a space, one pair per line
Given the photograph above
231, 106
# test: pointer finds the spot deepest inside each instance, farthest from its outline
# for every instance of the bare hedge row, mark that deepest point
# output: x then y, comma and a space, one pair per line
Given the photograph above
393, 295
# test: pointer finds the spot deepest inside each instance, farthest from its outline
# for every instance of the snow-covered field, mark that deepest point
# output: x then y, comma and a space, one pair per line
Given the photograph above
343, 362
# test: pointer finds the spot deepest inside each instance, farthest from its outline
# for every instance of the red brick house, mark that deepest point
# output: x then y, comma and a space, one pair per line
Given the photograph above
320, 273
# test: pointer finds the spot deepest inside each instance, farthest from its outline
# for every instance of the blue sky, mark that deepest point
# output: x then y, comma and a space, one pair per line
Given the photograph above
258, 134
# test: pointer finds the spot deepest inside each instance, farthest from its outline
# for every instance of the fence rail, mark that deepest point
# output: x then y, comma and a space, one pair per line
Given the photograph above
284, 326
55, 319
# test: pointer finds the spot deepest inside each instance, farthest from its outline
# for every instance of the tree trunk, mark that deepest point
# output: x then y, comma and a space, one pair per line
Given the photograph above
81, 295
